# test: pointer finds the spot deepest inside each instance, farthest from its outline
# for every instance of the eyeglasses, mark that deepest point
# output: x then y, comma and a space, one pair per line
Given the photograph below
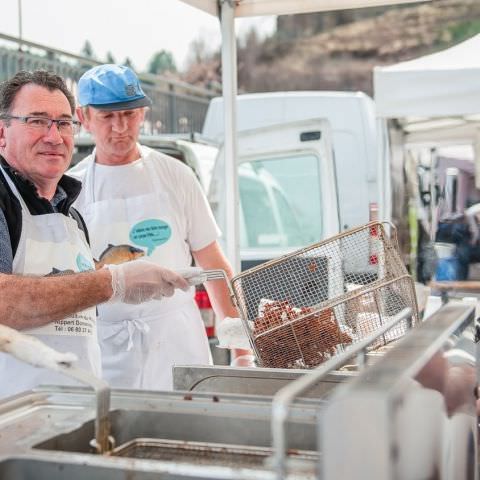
66, 127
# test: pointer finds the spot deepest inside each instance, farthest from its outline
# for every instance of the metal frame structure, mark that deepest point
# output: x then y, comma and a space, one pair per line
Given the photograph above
177, 106
227, 11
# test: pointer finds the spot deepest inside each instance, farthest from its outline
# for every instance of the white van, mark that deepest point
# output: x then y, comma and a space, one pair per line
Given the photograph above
321, 150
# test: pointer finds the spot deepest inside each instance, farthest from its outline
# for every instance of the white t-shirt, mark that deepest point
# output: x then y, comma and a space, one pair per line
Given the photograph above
177, 180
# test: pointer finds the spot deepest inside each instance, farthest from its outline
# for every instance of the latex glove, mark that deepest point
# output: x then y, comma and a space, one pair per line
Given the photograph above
193, 275
243, 361
31, 350
231, 334
140, 281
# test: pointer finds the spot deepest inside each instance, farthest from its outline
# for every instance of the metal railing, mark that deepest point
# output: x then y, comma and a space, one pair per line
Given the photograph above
178, 107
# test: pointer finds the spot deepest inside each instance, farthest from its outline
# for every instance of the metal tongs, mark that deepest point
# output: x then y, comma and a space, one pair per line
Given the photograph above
230, 332
197, 276
30, 350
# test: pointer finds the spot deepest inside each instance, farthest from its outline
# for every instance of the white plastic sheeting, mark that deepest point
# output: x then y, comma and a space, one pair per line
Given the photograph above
442, 84
435, 100
250, 8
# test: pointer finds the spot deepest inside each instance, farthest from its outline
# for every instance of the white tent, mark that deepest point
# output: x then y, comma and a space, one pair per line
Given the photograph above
435, 101
227, 11
251, 8
437, 94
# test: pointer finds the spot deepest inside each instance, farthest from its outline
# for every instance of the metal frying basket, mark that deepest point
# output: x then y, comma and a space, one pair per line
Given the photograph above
303, 308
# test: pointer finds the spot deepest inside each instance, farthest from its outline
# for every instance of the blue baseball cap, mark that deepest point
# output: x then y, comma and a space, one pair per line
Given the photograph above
111, 87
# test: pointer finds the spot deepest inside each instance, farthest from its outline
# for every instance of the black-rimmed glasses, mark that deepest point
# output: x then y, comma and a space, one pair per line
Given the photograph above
65, 126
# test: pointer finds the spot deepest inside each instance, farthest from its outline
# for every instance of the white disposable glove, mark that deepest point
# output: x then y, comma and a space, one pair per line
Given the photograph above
31, 350
231, 334
193, 275
244, 361
140, 281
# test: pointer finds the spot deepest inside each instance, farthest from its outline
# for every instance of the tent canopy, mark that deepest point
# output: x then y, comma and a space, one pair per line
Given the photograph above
435, 99
227, 11
444, 84
251, 8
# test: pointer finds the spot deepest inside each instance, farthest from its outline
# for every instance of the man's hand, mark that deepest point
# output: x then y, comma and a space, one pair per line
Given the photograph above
244, 361
231, 334
140, 281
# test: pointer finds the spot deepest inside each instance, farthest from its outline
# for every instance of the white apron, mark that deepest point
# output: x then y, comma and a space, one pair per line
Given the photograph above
51, 243
141, 343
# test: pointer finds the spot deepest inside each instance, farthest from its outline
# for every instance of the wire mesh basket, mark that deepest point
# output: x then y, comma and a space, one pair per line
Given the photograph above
307, 306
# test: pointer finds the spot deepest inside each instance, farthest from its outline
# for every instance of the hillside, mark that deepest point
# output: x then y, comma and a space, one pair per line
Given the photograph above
343, 57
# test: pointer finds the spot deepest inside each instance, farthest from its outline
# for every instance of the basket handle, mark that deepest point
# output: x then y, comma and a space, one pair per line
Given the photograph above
393, 233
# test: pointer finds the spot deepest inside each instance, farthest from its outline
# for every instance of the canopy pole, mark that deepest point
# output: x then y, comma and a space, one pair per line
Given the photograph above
229, 86
476, 149
384, 174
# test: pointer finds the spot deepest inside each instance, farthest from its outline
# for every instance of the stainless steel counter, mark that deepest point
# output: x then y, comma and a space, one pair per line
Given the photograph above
410, 407
46, 433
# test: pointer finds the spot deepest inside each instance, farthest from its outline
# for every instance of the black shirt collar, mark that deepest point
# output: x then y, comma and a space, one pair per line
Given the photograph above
38, 205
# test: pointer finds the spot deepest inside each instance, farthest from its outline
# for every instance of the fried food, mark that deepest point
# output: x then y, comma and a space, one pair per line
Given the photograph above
289, 337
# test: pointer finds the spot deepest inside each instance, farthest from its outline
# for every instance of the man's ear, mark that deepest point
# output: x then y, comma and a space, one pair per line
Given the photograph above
3, 141
82, 117
144, 113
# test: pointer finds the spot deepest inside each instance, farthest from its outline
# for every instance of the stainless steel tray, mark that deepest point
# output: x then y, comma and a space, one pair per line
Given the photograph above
202, 453
248, 381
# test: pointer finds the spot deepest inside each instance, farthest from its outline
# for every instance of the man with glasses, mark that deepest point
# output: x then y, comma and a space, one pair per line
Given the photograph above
134, 195
43, 241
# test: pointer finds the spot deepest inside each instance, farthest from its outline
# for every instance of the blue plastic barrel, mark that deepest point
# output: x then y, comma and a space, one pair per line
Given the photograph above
447, 269
448, 265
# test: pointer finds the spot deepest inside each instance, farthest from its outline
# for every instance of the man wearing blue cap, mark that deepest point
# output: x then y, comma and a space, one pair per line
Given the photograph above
49, 286
135, 196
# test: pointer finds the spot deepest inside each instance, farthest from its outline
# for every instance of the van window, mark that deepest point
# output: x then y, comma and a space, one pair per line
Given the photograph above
260, 225
293, 231
281, 201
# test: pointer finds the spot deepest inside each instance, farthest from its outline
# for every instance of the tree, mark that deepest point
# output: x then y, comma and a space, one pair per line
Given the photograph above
199, 51
128, 63
87, 50
110, 58
162, 62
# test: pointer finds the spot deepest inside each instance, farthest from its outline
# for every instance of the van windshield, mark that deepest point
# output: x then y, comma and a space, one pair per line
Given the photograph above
280, 201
